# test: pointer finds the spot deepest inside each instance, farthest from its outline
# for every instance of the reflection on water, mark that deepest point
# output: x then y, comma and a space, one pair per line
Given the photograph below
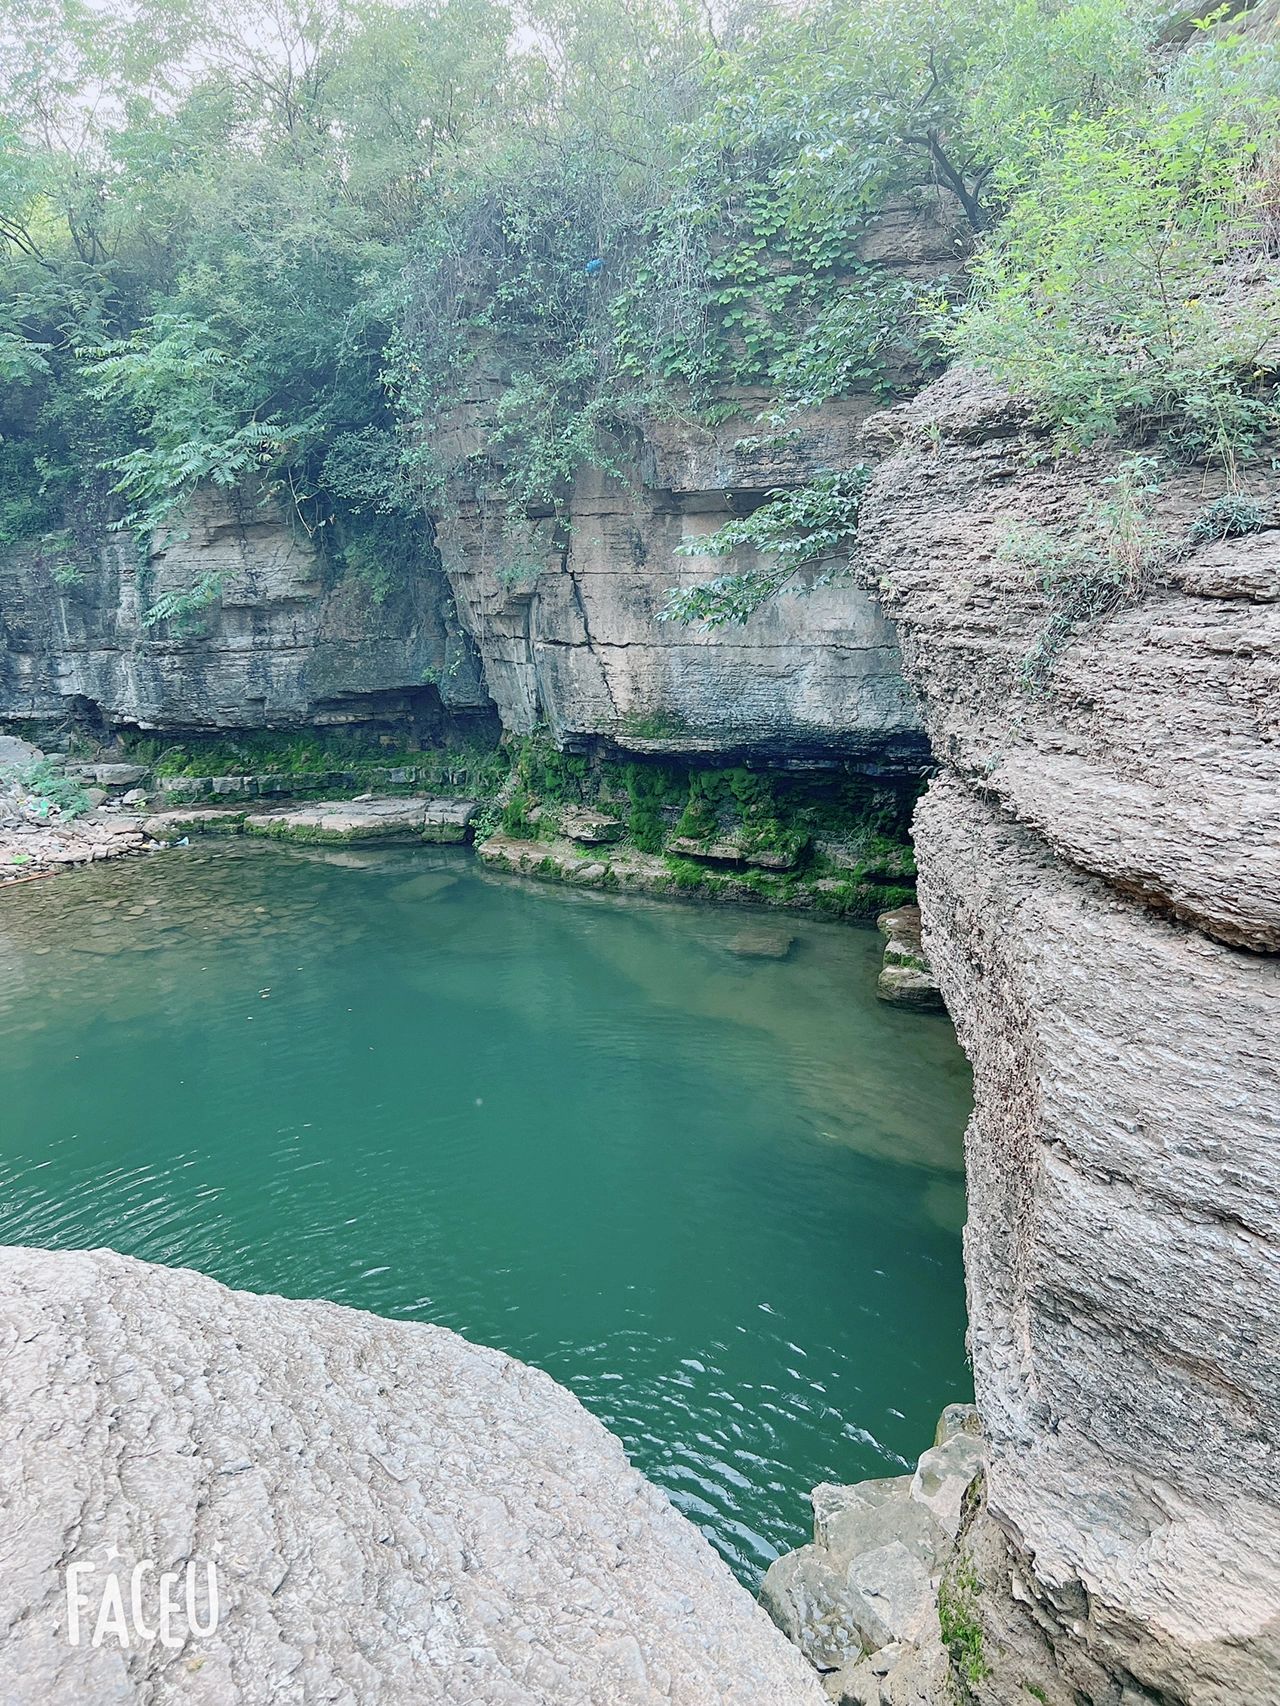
701, 1176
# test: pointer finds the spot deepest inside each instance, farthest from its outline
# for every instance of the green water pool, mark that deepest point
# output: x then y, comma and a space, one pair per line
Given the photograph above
699, 1175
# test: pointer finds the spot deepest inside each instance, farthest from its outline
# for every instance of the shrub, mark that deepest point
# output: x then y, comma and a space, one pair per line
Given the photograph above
1228, 517
62, 791
1108, 560
958, 1621
792, 528
1109, 292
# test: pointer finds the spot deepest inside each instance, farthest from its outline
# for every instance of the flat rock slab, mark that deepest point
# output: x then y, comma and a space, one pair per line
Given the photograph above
727, 850
560, 861
910, 986
110, 775
592, 828
14, 751
447, 820
393, 1514
195, 820
367, 820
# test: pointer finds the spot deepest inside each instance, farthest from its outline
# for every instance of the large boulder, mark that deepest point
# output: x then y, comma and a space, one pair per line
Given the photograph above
393, 1514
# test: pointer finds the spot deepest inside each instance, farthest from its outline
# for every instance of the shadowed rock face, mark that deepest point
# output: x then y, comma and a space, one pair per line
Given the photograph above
282, 642
394, 1514
1099, 866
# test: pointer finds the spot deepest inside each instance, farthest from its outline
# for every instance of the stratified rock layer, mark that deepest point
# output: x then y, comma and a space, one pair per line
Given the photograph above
281, 641
570, 628
394, 1514
1121, 1254
1099, 863
1150, 756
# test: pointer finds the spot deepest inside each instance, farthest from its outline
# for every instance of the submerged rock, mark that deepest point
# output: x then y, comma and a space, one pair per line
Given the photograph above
762, 943
393, 1515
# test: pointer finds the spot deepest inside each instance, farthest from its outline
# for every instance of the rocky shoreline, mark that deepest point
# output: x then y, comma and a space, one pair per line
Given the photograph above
37, 837
874, 1601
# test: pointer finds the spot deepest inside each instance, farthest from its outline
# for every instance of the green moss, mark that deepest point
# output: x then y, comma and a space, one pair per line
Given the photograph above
651, 790
958, 1621
687, 876
515, 816
660, 725
231, 824
912, 962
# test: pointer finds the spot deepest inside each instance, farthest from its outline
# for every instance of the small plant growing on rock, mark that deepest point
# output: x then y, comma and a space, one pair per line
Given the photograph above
182, 608
46, 783
791, 529
1231, 516
1108, 562
958, 1621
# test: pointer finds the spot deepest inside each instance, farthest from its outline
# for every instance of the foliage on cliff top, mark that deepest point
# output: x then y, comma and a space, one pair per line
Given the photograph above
351, 249
1127, 272
1134, 280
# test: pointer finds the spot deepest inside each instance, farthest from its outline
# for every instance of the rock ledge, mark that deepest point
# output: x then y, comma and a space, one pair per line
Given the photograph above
395, 1515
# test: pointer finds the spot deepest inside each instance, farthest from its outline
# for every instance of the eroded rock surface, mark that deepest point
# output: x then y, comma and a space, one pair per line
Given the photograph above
395, 1515
1121, 1258
1100, 884
569, 625
861, 1600
280, 640
1150, 754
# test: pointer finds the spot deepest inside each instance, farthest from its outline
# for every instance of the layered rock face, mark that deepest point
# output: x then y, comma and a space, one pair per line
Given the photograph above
280, 642
392, 1515
561, 630
554, 627
569, 622
1099, 876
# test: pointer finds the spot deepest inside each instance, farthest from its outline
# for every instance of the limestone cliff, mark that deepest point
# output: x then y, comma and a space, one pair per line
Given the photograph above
560, 630
393, 1514
567, 615
568, 619
1099, 874
281, 641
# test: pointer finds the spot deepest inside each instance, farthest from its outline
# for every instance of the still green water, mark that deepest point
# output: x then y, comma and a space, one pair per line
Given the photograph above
716, 1194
